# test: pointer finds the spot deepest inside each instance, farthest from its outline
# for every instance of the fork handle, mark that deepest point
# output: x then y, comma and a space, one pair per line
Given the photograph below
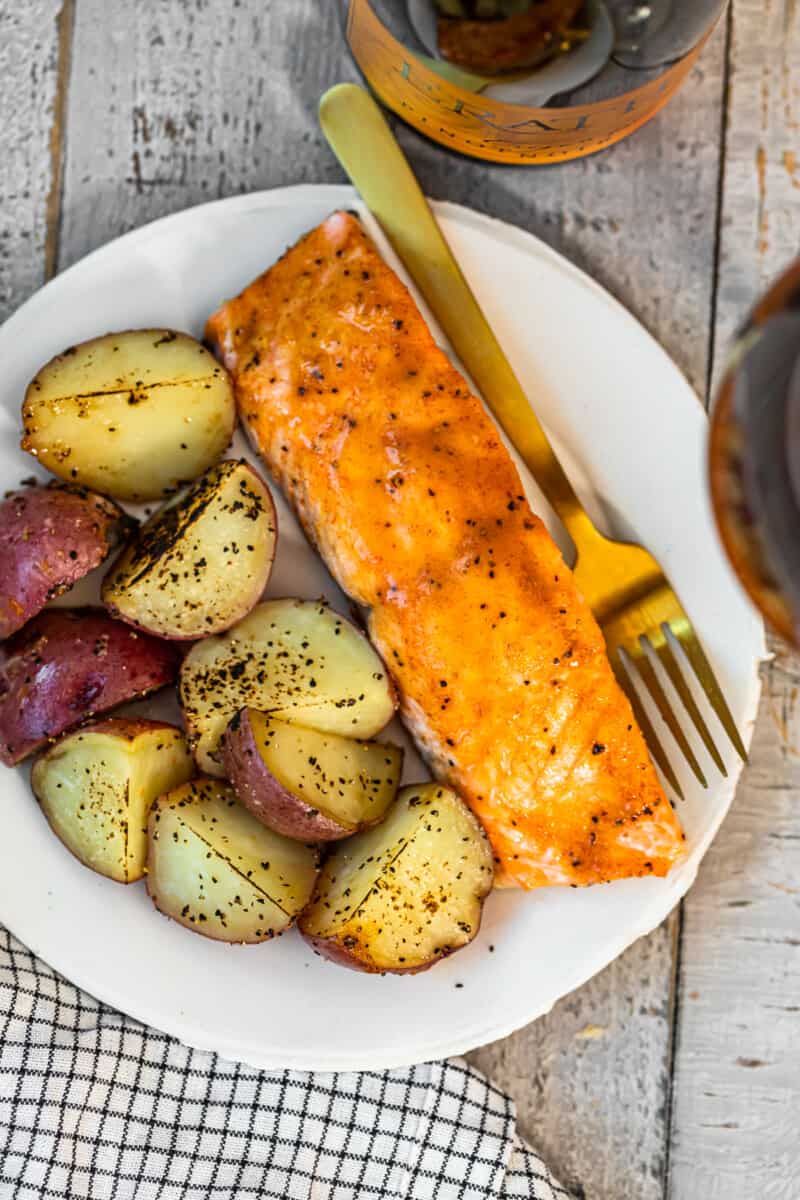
367, 149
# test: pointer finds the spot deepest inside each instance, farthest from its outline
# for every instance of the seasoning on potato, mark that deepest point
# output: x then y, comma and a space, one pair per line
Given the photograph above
297, 660
202, 562
217, 870
68, 664
50, 537
134, 415
96, 788
305, 784
402, 896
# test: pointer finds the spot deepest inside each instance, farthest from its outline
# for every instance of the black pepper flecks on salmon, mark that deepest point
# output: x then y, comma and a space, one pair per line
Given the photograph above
401, 481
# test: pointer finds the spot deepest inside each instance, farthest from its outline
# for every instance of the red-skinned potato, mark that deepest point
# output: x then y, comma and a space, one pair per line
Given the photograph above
400, 897
96, 788
50, 537
312, 786
297, 660
69, 664
202, 561
218, 871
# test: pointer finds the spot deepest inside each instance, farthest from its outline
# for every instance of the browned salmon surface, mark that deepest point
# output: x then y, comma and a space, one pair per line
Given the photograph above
401, 481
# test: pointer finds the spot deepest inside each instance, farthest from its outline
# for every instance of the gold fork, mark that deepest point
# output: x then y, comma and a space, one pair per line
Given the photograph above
641, 616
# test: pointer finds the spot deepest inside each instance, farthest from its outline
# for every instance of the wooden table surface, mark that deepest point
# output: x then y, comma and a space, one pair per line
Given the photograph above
676, 1072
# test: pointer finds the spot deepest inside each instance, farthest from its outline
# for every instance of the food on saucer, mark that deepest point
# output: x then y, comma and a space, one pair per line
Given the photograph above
69, 664
494, 36
305, 784
132, 415
217, 870
202, 562
296, 660
50, 537
402, 896
402, 481
96, 788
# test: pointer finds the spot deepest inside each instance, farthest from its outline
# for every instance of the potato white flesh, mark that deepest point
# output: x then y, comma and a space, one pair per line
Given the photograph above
217, 870
96, 788
296, 660
202, 562
132, 415
402, 896
305, 784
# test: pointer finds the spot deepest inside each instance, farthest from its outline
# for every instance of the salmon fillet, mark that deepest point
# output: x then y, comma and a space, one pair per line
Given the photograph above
401, 481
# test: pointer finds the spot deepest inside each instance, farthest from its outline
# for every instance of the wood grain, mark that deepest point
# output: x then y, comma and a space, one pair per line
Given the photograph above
29, 88
736, 1099
172, 103
189, 103
759, 231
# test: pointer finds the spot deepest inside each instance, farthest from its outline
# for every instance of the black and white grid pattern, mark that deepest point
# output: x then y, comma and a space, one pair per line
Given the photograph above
95, 1106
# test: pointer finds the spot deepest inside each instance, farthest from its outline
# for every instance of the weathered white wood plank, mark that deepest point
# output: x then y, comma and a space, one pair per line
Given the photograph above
189, 102
29, 80
737, 1068
736, 1105
760, 230
172, 104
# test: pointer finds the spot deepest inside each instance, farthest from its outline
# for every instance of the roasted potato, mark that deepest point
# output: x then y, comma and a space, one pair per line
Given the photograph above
296, 660
50, 537
96, 788
68, 664
402, 896
308, 785
202, 562
133, 415
217, 870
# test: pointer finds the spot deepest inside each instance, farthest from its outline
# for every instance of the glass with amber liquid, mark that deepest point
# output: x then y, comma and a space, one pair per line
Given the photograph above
755, 456
527, 81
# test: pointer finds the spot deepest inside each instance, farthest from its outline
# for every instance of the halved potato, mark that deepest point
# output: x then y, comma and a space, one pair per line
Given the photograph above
68, 664
134, 415
402, 896
200, 564
50, 537
296, 660
96, 788
308, 785
217, 870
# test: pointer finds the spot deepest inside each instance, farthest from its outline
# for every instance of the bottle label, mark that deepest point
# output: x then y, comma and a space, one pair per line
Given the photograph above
490, 129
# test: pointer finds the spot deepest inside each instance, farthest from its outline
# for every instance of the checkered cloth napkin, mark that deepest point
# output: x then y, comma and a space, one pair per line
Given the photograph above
95, 1106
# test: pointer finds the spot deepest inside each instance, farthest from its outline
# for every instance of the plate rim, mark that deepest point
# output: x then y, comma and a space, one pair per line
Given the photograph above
480, 1032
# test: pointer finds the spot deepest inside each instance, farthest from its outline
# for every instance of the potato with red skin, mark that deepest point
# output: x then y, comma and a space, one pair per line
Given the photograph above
200, 563
297, 660
400, 897
50, 537
96, 787
69, 664
308, 785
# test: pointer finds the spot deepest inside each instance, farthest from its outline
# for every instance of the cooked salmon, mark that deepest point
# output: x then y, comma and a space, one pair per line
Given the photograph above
401, 481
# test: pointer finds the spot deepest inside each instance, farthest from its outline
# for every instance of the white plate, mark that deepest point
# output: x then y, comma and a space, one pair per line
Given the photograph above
634, 436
